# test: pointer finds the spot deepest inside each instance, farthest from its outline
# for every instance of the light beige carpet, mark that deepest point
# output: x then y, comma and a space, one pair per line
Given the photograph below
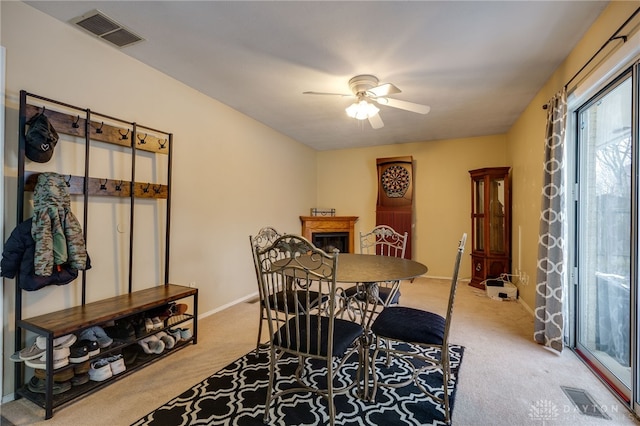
505, 378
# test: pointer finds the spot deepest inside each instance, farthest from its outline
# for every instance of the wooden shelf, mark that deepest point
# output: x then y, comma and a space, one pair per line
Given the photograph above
79, 317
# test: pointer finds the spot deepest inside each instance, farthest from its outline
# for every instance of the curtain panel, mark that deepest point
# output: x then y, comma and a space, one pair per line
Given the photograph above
550, 274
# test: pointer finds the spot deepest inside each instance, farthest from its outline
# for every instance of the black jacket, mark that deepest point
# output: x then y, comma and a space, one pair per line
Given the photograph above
18, 257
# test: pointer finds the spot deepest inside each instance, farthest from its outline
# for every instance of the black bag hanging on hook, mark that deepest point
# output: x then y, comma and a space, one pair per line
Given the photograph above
41, 138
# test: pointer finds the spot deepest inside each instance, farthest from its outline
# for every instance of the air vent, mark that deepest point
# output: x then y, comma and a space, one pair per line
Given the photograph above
100, 25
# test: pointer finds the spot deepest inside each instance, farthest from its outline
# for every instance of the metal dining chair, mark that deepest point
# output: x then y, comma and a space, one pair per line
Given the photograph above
265, 237
383, 240
294, 266
400, 330
262, 239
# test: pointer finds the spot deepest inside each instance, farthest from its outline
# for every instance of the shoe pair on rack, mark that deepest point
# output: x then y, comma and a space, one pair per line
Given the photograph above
181, 334
82, 350
96, 334
122, 331
60, 377
37, 385
80, 373
35, 356
152, 344
105, 368
174, 309
178, 314
153, 324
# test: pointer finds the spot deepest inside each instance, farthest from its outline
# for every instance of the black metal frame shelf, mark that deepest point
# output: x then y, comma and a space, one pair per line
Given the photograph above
78, 123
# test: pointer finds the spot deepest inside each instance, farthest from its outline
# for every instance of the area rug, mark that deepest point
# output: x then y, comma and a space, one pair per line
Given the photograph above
236, 395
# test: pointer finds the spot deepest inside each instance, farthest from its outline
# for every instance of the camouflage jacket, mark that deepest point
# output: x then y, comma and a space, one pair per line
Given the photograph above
55, 230
17, 261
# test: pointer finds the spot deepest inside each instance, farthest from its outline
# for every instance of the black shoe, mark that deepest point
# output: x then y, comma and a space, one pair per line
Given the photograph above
93, 348
79, 353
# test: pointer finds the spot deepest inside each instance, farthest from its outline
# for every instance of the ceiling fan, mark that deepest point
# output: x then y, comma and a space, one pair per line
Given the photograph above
367, 89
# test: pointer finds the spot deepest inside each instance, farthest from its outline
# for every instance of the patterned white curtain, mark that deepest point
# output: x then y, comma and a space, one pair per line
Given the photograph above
549, 318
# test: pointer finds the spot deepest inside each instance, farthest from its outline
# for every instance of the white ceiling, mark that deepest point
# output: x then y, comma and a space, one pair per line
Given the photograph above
476, 63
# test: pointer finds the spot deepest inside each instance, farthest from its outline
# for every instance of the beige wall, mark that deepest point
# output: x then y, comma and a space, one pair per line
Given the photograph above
347, 181
232, 175
525, 142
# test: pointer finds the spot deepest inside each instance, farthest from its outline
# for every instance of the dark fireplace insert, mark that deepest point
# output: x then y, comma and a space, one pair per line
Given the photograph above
327, 241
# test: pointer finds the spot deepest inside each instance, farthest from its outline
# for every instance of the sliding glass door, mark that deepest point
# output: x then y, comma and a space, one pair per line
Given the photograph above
606, 206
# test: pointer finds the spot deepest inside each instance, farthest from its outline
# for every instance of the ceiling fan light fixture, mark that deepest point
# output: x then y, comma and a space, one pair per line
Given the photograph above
361, 110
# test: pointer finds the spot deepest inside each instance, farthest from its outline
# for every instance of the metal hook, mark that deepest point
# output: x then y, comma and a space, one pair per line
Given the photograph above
146, 189
157, 189
123, 137
68, 181
103, 185
99, 129
76, 125
162, 144
119, 186
141, 139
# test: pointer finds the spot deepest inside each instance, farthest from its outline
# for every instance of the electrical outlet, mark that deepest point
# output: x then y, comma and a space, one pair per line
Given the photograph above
524, 278
192, 284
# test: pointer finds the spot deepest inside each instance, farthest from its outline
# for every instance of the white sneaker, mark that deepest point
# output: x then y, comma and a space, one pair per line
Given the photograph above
157, 323
116, 363
148, 325
100, 370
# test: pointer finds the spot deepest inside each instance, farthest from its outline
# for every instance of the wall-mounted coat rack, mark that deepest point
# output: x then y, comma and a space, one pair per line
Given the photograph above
79, 125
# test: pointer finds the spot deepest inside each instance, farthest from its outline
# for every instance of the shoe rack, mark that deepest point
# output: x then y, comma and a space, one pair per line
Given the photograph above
133, 139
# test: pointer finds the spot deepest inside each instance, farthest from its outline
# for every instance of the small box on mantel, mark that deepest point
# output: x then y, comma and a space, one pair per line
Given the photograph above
323, 212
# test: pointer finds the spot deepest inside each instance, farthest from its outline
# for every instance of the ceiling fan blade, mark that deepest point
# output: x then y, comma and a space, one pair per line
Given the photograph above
330, 94
376, 121
384, 89
407, 106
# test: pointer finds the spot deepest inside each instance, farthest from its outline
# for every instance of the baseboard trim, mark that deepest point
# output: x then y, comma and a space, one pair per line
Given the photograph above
228, 305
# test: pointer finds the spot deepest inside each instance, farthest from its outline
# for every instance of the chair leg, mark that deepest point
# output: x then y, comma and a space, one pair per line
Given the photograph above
374, 369
332, 408
267, 404
259, 331
446, 373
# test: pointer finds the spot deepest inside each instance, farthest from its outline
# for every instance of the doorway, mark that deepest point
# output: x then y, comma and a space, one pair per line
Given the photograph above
604, 210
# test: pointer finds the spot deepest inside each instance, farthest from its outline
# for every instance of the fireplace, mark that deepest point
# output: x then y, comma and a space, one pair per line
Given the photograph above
330, 231
328, 241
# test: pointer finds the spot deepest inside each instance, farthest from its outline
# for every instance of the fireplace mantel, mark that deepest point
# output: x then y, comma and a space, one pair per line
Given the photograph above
313, 224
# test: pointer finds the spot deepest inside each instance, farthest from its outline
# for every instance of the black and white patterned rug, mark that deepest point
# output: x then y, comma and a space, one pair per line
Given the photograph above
236, 395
